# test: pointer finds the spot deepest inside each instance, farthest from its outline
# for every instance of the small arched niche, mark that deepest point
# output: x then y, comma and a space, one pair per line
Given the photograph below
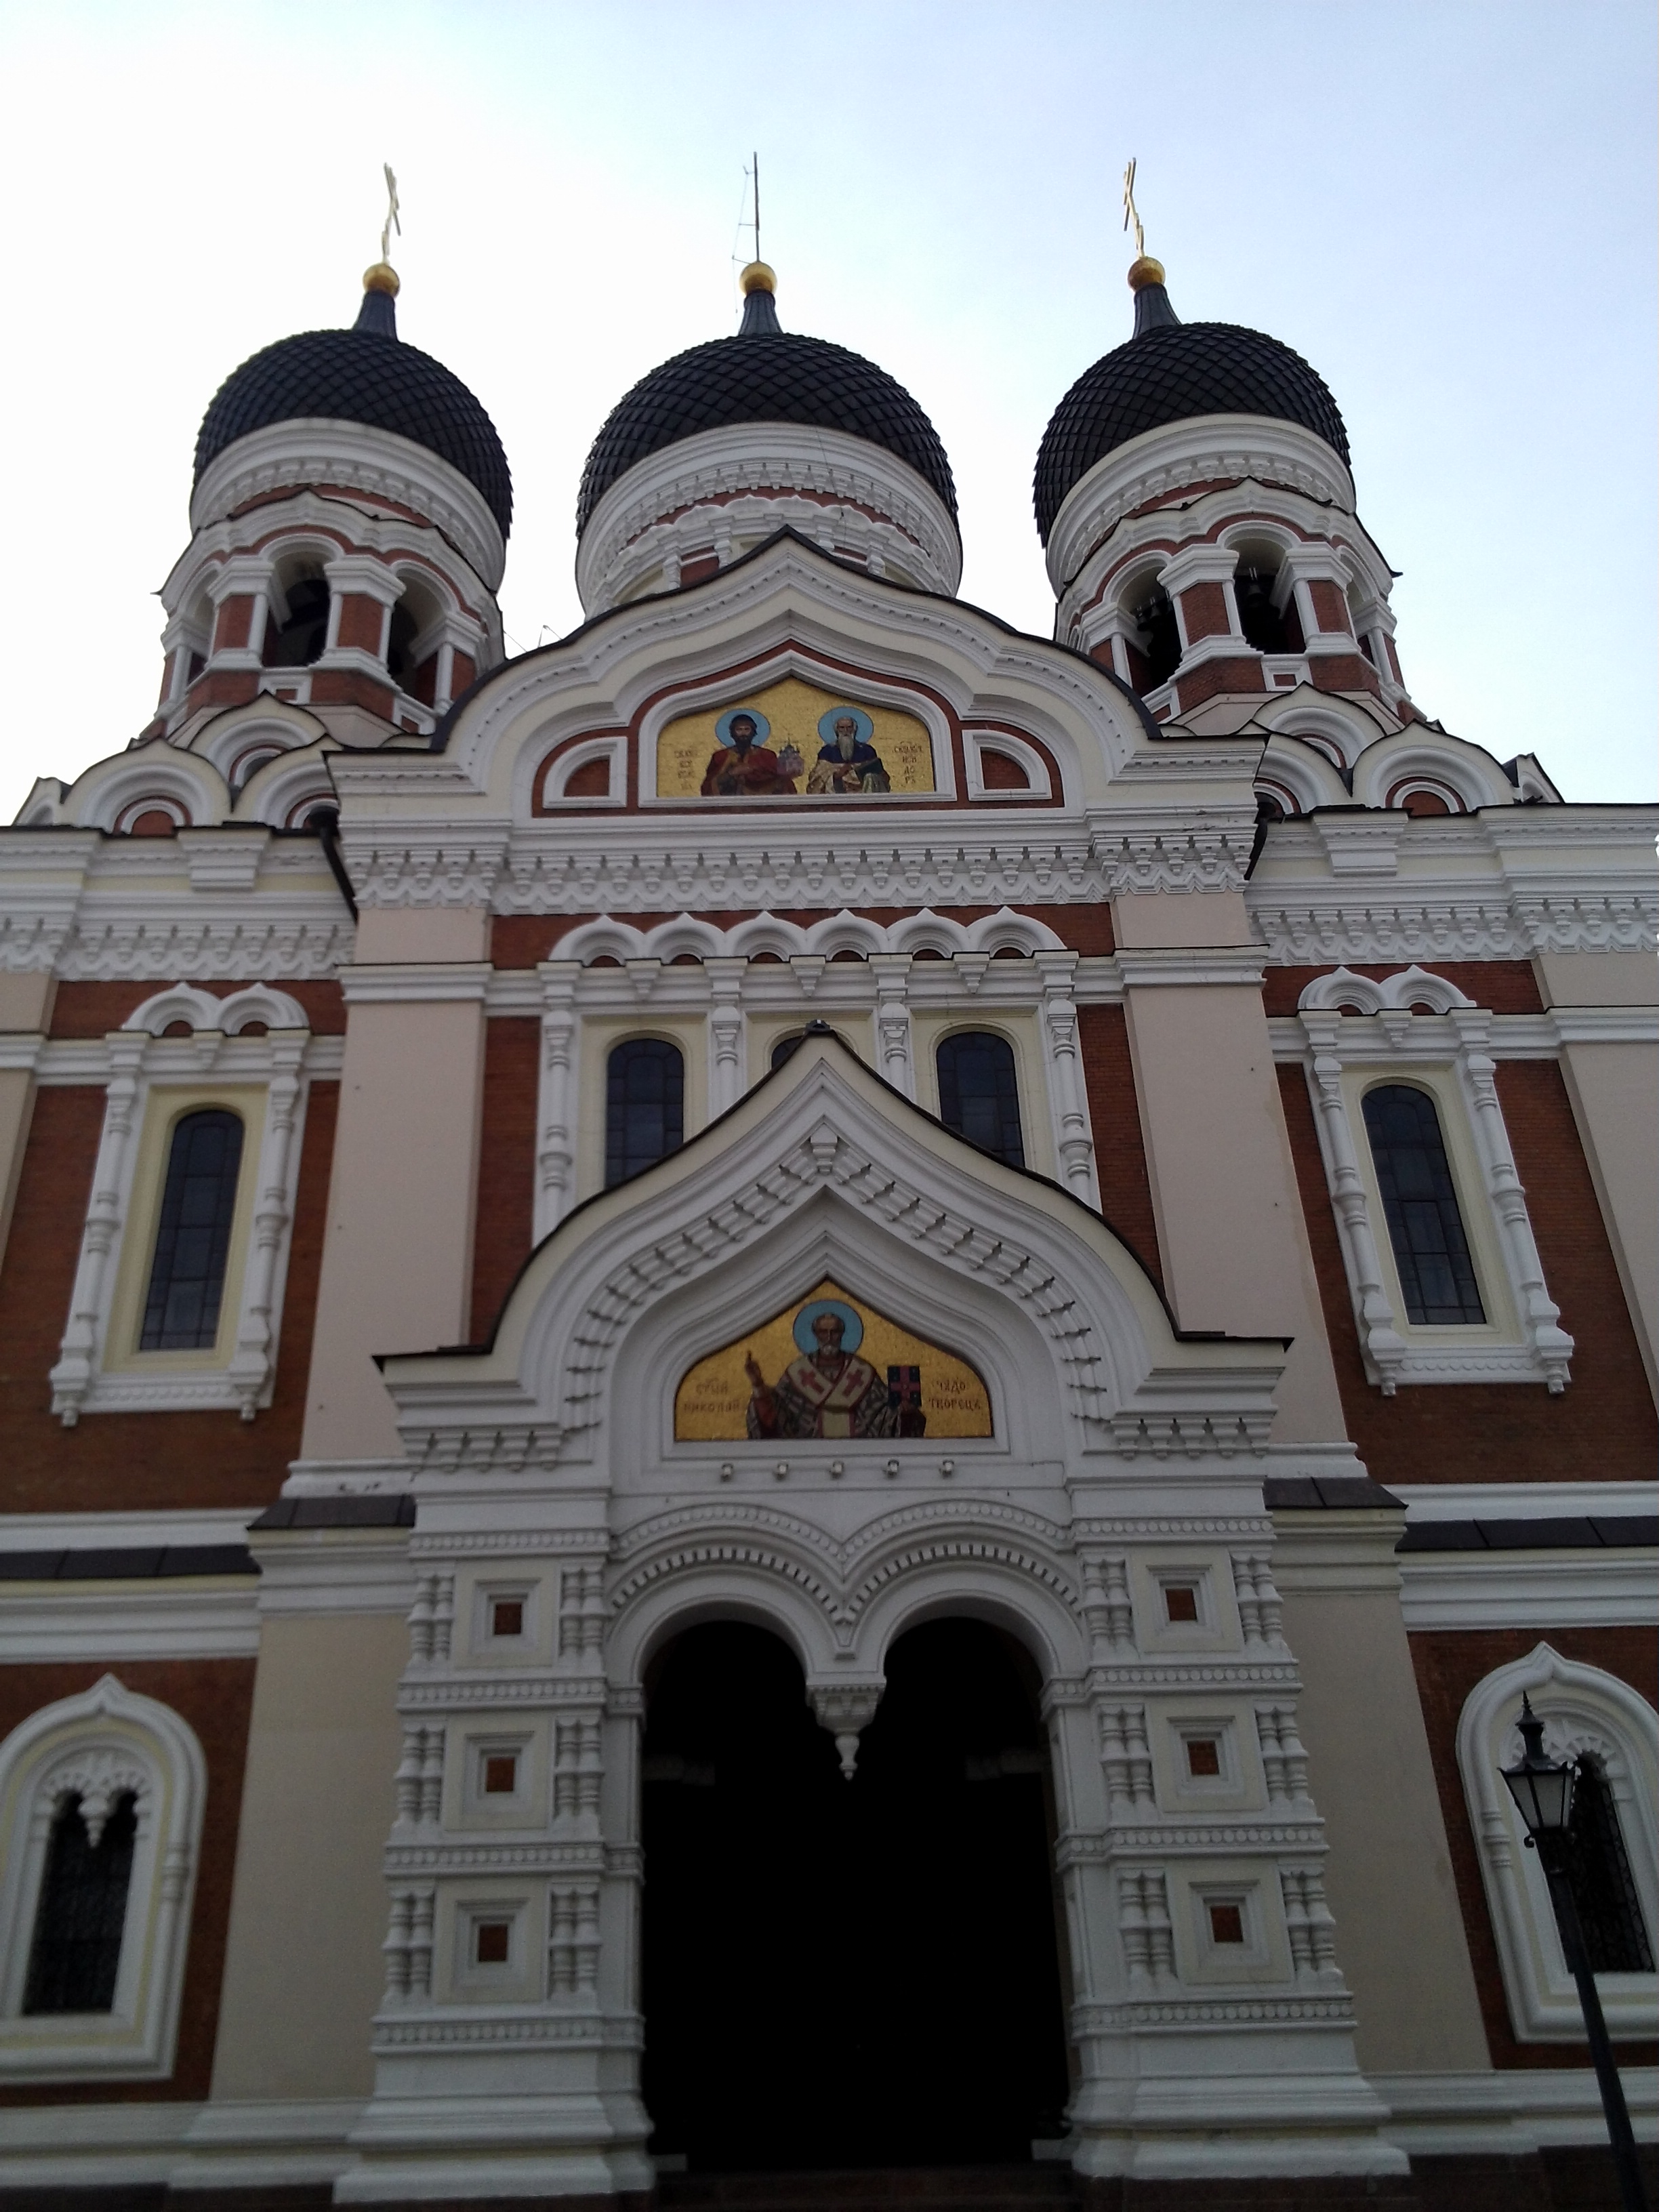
411, 661
831, 1366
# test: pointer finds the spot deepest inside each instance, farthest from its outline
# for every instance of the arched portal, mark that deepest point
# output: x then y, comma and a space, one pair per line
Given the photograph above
843, 1974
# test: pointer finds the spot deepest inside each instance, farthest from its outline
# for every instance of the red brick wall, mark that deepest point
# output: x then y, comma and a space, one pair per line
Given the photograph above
1210, 676
1602, 1426
1330, 605
92, 1010
507, 1164
1504, 986
1204, 611
216, 1695
519, 940
1449, 1664
141, 1461
1125, 1191
362, 620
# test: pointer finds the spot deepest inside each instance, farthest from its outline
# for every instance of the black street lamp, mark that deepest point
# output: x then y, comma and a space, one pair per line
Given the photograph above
1543, 1791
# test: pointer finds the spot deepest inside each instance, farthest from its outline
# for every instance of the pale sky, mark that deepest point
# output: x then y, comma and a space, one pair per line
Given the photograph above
1448, 209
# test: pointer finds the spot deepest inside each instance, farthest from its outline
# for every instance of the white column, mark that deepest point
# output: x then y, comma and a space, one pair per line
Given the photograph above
1068, 1097
555, 1155
256, 1338
894, 1060
71, 1378
1539, 1314
726, 1057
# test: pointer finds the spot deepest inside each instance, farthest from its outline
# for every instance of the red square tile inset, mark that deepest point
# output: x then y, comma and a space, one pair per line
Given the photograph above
501, 1774
1180, 1601
1203, 1755
506, 1617
1226, 1924
490, 1941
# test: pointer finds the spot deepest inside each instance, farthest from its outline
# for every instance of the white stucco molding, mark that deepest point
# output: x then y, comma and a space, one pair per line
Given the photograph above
103, 1744
143, 1064
1447, 1054
319, 451
1582, 1710
729, 487
1197, 450
824, 1167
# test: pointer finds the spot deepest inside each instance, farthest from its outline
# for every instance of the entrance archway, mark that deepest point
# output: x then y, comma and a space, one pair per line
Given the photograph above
844, 1974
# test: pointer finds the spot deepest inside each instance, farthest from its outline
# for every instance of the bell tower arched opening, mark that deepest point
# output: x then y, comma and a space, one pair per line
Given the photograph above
841, 1972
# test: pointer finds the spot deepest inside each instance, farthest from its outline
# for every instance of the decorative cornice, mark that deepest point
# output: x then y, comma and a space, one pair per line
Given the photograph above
310, 451
1199, 450
740, 476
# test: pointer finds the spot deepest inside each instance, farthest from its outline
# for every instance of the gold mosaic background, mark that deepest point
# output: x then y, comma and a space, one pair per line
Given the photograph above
712, 1402
793, 708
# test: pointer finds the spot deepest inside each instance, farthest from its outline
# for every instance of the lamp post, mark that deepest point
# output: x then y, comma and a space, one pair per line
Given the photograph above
1542, 1790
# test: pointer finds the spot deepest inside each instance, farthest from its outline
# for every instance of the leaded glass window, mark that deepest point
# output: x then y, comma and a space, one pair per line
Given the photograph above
77, 1952
1615, 1936
192, 1239
644, 1106
1419, 1203
979, 1094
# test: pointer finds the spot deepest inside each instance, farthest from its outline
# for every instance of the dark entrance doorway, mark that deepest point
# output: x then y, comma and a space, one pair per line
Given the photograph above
848, 1974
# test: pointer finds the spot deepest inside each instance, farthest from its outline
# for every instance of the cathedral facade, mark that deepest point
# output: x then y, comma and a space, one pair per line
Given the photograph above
804, 1386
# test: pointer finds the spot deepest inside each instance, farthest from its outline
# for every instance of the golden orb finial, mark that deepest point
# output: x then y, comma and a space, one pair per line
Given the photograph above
1143, 272
381, 276
759, 276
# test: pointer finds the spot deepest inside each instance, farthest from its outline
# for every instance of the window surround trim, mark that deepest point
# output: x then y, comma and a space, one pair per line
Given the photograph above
112, 1734
143, 1066
1583, 1709
1447, 1053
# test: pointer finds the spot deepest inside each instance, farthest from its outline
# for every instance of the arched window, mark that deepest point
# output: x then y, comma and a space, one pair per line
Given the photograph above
77, 1953
101, 1799
787, 1047
1607, 1726
979, 1094
1615, 1934
1419, 1202
298, 642
644, 1107
193, 1240
1158, 654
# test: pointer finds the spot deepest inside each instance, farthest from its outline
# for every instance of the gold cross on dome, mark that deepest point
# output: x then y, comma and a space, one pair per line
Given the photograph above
1130, 213
392, 220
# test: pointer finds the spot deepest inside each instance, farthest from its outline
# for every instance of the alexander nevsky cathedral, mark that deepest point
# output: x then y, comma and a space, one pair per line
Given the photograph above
795, 1402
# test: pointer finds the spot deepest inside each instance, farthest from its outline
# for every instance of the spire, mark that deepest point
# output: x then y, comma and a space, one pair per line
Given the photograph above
1153, 308
379, 312
760, 312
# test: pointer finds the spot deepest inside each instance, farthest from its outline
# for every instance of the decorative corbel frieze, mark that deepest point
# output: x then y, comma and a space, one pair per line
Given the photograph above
846, 1709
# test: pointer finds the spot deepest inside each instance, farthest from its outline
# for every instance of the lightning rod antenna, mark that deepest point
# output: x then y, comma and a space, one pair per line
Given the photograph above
756, 159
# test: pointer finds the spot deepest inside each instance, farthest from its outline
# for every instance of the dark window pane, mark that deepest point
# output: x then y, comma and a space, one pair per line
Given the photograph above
644, 1107
83, 1908
198, 1203
1437, 1275
787, 1047
1615, 1936
979, 1095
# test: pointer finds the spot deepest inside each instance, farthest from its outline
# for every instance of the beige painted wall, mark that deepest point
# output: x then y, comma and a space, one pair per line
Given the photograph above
1400, 1936
1615, 1089
303, 1968
25, 1009
1230, 1225
397, 1255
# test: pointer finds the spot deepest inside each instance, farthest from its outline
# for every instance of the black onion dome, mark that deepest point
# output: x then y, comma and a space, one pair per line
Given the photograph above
763, 374
1168, 371
363, 375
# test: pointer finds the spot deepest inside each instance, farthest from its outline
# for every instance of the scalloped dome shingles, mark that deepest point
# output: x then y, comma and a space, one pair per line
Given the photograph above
1164, 375
362, 376
776, 377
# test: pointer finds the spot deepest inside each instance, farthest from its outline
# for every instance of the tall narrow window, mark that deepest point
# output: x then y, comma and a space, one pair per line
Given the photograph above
1615, 1934
979, 1094
1419, 1202
192, 1242
77, 1953
644, 1107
